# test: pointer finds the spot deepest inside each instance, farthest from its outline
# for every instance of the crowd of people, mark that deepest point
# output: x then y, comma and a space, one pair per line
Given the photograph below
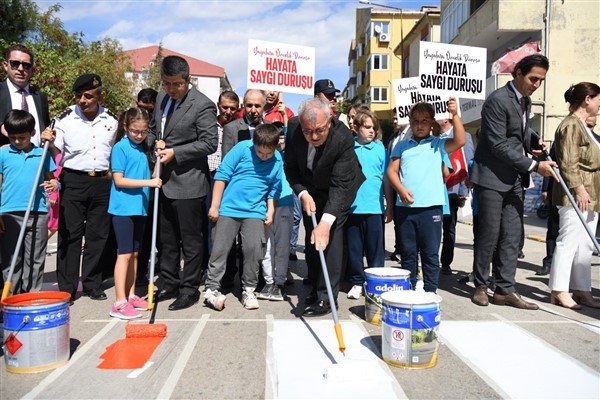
235, 180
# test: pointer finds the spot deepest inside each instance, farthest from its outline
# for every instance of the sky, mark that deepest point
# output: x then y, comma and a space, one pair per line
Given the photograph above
218, 31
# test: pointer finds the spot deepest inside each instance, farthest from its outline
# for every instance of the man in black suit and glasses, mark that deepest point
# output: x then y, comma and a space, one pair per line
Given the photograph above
500, 170
322, 169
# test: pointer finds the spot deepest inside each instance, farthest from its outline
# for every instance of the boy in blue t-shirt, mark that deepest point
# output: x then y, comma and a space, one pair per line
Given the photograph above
246, 185
415, 173
19, 164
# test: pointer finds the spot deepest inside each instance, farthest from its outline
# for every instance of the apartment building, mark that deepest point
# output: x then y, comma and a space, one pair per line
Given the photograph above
371, 60
567, 32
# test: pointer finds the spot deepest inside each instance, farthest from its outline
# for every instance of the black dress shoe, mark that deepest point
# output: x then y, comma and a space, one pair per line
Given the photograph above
521, 255
446, 271
316, 310
310, 300
166, 294
184, 301
544, 270
95, 294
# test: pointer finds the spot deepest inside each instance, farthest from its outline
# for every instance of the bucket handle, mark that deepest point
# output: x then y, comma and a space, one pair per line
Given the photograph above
26, 320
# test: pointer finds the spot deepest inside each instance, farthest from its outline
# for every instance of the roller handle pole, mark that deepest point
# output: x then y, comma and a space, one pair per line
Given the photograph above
36, 184
591, 234
336, 322
153, 242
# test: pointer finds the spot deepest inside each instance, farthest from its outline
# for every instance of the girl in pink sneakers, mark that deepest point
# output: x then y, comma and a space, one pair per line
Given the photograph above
128, 205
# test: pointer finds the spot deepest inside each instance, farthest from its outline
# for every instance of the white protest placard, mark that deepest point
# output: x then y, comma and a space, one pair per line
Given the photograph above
452, 70
406, 94
280, 67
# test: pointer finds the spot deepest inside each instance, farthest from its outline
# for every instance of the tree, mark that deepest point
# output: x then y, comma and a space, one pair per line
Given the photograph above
154, 80
17, 21
60, 57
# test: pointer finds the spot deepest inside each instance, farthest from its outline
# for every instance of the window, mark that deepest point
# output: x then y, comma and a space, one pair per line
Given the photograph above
379, 27
359, 51
454, 15
378, 61
379, 94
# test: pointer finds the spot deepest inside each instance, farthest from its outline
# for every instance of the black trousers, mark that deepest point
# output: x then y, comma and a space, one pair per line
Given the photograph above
551, 235
500, 219
181, 235
449, 232
83, 211
334, 257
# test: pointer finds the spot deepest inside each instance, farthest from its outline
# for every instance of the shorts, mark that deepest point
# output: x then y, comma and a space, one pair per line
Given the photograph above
129, 231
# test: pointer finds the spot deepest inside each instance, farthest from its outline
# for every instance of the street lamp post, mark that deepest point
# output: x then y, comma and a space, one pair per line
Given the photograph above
368, 3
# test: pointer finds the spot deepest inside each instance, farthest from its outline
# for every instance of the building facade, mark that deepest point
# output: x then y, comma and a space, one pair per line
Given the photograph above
567, 32
371, 60
208, 78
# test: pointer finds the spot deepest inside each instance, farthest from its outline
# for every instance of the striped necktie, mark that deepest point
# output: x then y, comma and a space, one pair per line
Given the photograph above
24, 105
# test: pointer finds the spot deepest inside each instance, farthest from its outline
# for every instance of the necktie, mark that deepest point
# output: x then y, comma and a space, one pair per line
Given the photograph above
310, 156
170, 112
524, 109
24, 105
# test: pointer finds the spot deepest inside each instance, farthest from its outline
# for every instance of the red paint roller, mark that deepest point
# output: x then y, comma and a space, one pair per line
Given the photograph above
145, 330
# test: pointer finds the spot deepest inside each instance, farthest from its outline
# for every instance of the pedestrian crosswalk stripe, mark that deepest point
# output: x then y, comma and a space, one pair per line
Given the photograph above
518, 364
305, 351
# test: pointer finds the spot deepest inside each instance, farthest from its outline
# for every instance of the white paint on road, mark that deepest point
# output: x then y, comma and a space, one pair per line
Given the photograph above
137, 372
307, 350
517, 364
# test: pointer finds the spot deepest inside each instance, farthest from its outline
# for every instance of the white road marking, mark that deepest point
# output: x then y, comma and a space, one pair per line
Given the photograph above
47, 381
518, 364
181, 363
270, 364
137, 372
307, 351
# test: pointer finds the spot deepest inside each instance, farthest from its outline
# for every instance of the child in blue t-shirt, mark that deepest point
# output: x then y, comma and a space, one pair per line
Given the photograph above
415, 173
19, 164
279, 233
364, 227
246, 185
128, 204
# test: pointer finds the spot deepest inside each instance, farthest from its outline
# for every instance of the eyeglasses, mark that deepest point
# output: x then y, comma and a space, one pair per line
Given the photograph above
319, 131
14, 64
138, 131
176, 85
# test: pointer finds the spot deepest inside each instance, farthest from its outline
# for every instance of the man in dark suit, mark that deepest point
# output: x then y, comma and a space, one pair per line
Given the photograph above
17, 94
322, 169
500, 170
243, 128
184, 126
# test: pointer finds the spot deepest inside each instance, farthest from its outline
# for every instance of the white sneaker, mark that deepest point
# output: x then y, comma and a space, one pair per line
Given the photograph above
355, 292
215, 299
249, 300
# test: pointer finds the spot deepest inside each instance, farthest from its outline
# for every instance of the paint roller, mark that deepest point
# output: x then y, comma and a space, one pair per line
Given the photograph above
145, 330
336, 322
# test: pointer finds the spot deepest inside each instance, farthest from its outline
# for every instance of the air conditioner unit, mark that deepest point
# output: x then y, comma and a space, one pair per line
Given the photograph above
384, 37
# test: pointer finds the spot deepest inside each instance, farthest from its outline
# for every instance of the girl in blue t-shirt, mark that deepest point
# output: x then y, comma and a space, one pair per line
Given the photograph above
129, 195
364, 227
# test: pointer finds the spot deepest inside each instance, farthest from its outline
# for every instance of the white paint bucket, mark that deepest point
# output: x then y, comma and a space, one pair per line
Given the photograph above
410, 322
36, 331
378, 281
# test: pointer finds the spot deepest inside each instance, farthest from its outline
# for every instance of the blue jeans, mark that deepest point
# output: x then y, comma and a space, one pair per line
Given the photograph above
421, 230
364, 237
296, 225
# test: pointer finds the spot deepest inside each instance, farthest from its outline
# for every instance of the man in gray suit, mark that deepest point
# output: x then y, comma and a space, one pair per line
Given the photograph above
184, 132
243, 128
500, 170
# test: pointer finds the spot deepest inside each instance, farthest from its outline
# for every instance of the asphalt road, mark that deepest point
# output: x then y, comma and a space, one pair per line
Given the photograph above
484, 352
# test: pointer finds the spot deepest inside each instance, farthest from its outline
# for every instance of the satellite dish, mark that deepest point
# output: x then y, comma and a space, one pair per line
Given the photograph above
377, 29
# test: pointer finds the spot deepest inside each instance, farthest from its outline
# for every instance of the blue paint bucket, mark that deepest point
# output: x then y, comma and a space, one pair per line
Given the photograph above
378, 281
36, 331
409, 333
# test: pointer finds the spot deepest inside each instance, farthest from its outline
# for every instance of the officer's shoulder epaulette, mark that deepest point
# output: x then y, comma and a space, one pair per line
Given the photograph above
112, 114
64, 113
